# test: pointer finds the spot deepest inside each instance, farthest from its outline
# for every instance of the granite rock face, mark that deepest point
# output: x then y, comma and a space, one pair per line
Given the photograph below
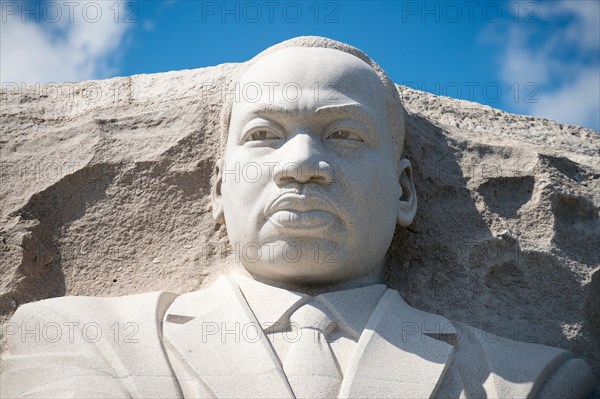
105, 191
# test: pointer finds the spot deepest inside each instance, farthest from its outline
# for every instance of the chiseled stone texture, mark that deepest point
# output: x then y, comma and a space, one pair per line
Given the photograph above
105, 191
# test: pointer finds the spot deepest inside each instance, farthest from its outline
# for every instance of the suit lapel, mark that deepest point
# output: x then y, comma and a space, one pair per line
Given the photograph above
402, 352
217, 347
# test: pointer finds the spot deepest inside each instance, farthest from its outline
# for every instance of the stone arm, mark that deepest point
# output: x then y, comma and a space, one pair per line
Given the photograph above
486, 365
84, 347
572, 379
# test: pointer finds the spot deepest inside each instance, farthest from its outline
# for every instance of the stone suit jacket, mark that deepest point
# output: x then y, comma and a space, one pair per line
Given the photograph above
209, 344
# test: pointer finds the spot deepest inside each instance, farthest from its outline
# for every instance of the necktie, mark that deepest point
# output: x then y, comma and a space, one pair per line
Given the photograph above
310, 365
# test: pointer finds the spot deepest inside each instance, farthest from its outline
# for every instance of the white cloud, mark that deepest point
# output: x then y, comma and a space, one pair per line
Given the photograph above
585, 32
577, 103
77, 42
560, 54
520, 63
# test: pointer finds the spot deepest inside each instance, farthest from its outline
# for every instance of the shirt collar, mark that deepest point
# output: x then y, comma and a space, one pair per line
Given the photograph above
271, 305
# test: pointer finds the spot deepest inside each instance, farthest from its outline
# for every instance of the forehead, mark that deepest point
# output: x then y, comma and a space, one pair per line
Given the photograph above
303, 78
298, 62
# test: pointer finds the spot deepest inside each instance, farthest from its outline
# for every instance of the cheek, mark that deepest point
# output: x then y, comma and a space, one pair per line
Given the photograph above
372, 179
373, 191
243, 189
236, 196
240, 179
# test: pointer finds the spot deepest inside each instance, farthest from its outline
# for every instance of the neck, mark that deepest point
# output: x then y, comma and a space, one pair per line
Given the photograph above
377, 277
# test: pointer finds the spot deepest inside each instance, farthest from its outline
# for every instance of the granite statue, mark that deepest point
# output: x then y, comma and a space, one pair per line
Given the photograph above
305, 312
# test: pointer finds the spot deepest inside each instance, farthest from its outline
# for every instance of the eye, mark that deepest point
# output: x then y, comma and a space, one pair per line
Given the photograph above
262, 134
344, 134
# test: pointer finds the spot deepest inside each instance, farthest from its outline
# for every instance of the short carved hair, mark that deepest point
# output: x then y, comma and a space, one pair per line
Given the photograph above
394, 104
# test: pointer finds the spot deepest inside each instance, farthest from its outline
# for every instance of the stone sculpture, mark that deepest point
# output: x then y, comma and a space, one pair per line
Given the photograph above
305, 313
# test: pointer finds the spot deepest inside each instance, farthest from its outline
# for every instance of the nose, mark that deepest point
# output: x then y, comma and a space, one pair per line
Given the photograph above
302, 162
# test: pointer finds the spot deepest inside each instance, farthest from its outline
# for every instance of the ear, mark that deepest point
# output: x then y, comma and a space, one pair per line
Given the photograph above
407, 203
216, 198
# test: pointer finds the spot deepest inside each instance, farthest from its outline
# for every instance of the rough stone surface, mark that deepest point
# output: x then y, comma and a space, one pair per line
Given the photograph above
105, 191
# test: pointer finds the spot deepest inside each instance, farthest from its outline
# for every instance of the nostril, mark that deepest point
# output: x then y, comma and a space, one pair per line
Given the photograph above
320, 173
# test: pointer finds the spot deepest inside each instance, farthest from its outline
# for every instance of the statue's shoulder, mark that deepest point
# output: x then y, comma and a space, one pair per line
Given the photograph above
84, 346
503, 367
79, 322
147, 307
487, 365
95, 309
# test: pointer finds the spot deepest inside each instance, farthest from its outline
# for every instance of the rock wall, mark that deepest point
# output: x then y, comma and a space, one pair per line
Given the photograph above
105, 191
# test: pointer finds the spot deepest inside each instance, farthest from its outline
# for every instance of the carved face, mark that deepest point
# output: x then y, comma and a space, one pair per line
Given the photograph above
308, 188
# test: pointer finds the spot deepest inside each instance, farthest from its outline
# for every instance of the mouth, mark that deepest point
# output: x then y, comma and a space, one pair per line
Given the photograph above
299, 212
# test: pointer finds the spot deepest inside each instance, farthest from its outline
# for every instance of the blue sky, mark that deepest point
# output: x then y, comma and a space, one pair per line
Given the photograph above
536, 58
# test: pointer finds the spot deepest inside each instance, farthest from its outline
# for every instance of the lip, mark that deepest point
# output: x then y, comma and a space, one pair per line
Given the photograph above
298, 212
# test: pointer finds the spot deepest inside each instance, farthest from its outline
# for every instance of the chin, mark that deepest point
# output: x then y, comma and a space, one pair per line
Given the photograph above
306, 261
295, 273
309, 274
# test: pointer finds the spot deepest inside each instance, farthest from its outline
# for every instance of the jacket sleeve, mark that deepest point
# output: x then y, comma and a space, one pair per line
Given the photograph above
572, 379
492, 366
85, 347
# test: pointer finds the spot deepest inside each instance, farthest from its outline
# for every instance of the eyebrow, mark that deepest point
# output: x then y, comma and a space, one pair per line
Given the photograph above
270, 109
354, 109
